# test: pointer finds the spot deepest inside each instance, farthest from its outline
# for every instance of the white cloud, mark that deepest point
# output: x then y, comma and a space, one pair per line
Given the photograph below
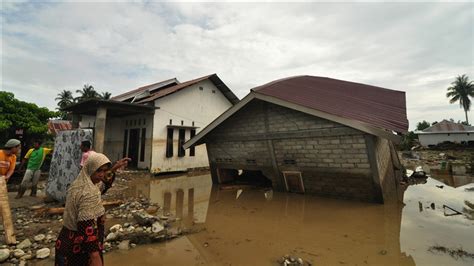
418, 48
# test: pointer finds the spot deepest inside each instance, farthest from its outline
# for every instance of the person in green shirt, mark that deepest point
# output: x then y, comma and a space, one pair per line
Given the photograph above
35, 158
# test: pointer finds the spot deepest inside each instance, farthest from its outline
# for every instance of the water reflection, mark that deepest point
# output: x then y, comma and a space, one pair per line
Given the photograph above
256, 227
186, 197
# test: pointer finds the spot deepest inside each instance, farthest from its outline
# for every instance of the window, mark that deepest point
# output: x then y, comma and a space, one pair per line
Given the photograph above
181, 151
251, 161
192, 150
193, 123
169, 143
213, 91
182, 122
200, 88
171, 121
142, 144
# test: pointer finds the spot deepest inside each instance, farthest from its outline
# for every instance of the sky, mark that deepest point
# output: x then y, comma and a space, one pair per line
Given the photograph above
118, 46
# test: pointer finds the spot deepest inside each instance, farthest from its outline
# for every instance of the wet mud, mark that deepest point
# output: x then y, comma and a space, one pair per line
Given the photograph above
251, 226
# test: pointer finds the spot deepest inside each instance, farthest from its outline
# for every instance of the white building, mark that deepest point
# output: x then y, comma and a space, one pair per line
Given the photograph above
150, 124
445, 131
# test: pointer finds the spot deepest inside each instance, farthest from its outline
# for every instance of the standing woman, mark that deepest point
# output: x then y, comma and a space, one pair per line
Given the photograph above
80, 241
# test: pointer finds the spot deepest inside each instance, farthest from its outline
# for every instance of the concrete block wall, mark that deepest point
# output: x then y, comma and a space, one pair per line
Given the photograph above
386, 170
332, 157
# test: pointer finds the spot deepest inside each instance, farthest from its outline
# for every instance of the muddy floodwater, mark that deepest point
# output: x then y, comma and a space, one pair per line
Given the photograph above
257, 227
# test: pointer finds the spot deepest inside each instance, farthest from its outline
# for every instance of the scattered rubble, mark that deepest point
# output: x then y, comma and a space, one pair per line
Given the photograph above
140, 222
288, 260
4, 254
454, 253
43, 253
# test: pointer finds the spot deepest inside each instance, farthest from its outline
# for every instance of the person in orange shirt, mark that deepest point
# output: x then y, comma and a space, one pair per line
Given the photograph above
8, 158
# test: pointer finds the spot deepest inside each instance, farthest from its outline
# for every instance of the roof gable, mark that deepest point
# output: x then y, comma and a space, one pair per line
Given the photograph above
130, 95
164, 88
352, 104
213, 78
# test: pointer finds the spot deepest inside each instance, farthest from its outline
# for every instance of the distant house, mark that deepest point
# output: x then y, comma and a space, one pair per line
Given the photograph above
313, 135
445, 131
150, 124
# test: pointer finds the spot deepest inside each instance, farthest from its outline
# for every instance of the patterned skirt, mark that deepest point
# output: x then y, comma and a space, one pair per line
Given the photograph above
75, 247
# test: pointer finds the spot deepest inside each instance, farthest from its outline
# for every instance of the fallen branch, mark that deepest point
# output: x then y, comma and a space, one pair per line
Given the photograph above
60, 210
451, 214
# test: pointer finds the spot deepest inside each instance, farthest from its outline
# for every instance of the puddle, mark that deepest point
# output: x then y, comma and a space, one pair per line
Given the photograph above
256, 227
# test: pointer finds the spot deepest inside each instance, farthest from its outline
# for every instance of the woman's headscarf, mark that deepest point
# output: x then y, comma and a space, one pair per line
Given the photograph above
83, 200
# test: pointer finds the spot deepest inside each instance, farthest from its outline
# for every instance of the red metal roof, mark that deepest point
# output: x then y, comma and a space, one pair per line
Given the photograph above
377, 106
448, 126
54, 126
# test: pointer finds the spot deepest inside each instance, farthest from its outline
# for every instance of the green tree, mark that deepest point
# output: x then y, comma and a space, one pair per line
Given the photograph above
461, 91
408, 140
88, 92
422, 125
16, 114
105, 95
64, 99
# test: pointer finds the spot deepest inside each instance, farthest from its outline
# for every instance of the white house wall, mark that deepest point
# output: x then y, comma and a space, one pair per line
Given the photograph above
87, 121
114, 136
433, 139
115, 131
183, 108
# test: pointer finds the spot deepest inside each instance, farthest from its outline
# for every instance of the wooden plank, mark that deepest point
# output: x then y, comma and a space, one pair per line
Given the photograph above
6, 213
60, 210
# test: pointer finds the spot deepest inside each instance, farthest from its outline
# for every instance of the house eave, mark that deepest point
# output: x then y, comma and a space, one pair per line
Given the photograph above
362, 126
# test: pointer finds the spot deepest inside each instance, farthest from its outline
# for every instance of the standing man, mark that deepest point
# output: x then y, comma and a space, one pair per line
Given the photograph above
86, 151
35, 158
8, 158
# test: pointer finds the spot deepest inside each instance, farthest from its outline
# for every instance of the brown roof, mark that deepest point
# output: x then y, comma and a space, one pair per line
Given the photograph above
156, 85
448, 126
377, 106
169, 90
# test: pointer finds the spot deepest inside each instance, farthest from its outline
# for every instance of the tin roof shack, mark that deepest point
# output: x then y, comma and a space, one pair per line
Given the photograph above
150, 124
314, 135
446, 131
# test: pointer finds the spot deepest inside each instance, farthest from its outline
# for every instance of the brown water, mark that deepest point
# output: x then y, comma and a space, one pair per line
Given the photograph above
256, 227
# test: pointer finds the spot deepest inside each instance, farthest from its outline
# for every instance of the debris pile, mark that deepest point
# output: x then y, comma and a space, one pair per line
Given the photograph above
288, 260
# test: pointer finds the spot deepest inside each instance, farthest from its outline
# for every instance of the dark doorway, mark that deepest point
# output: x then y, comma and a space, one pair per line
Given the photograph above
133, 144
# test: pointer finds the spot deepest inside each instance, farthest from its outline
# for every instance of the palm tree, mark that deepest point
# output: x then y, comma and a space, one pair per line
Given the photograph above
87, 92
105, 95
461, 90
64, 99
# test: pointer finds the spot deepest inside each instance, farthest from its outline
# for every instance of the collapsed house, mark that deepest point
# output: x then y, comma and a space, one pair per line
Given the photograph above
312, 135
149, 124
